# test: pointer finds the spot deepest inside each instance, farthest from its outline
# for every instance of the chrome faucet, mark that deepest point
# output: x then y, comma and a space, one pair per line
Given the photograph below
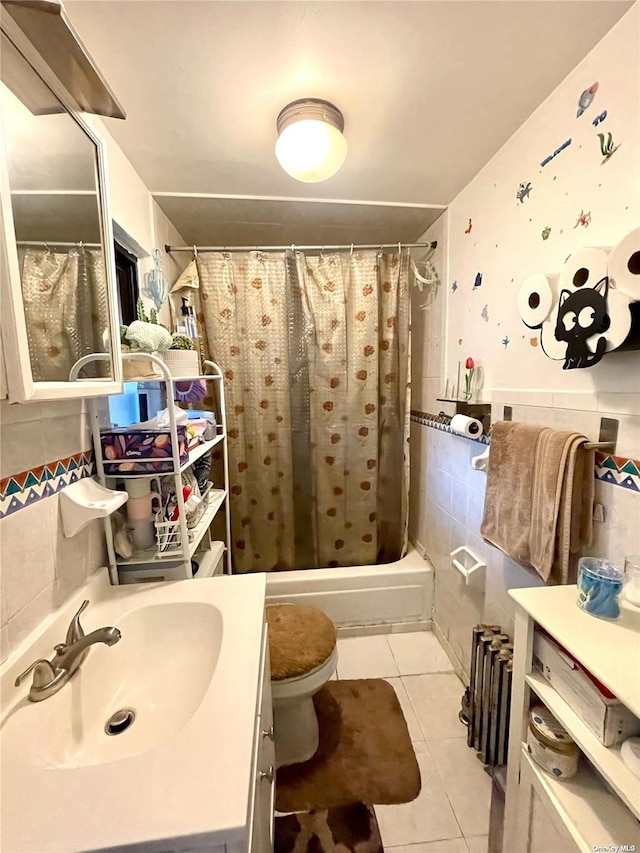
50, 676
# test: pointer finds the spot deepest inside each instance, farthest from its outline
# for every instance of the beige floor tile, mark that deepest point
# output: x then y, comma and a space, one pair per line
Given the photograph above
478, 844
436, 702
418, 653
365, 657
452, 845
467, 785
428, 818
415, 732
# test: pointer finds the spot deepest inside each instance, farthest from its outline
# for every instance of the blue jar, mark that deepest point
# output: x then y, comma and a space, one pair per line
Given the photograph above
599, 587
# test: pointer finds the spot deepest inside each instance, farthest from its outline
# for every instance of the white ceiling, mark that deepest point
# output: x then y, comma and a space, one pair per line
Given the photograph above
430, 90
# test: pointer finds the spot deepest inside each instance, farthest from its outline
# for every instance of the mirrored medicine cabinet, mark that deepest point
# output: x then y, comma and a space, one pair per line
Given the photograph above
56, 252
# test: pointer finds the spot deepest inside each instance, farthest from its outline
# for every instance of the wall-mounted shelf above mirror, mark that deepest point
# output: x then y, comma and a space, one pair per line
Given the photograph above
46, 25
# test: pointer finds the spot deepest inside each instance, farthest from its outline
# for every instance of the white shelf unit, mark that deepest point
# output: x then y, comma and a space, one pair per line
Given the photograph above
175, 563
593, 810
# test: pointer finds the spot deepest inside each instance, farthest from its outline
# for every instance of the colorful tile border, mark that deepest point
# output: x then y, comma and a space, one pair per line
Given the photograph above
29, 487
618, 471
443, 423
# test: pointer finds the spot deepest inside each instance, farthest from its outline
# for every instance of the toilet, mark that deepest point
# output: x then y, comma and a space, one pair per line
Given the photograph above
303, 656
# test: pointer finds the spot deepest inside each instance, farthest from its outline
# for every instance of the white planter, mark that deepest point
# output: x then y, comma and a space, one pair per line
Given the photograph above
182, 362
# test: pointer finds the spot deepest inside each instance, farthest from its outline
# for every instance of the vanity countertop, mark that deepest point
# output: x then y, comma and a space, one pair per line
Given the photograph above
67, 786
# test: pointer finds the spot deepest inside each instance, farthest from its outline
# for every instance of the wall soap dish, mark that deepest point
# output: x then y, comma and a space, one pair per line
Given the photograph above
85, 500
481, 463
466, 562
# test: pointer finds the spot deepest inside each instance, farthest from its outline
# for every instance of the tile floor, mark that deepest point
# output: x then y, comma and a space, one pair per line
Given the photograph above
451, 814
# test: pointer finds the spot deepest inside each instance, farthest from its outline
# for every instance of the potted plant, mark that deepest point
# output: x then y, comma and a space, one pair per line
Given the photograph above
144, 335
182, 358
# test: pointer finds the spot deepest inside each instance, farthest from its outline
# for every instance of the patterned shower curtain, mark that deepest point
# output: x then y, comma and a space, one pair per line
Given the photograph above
66, 309
315, 356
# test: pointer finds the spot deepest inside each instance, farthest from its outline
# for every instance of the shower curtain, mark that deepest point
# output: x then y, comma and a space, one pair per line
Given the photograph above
315, 356
66, 309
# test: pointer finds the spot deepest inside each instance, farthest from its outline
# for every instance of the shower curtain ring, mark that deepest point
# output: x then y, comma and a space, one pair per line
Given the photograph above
399, 248
351, 251
195, 252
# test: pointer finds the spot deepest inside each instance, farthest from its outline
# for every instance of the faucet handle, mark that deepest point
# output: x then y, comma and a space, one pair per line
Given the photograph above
43, 673
75, 631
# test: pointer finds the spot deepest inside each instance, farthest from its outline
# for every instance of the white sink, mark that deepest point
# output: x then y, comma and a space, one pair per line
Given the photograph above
160, 669
187, 666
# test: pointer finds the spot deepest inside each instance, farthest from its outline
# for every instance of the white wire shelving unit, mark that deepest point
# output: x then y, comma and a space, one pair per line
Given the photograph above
176, 544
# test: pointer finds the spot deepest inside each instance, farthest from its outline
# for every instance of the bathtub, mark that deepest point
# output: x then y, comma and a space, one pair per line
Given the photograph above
399, 593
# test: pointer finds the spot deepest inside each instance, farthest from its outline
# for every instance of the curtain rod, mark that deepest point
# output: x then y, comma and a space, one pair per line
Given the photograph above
349, 246
46, 244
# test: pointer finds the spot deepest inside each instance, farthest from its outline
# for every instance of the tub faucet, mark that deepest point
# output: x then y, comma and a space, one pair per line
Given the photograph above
50, 676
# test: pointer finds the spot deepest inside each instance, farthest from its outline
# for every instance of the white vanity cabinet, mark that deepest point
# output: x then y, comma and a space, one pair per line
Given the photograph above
263, 788
264, 769
56, 240
598, 808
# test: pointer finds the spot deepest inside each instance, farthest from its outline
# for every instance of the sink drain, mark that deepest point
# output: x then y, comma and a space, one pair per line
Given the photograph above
120, 721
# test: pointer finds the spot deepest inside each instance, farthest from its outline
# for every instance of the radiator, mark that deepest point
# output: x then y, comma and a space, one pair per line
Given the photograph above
489, 694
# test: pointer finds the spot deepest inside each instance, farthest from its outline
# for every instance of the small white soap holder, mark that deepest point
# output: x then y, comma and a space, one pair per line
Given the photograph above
466, 562
481, 463
85, 500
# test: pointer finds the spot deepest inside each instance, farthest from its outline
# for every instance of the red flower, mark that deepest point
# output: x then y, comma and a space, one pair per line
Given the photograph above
469, 364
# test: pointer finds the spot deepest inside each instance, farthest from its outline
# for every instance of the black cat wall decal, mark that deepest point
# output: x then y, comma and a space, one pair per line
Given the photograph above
581, 315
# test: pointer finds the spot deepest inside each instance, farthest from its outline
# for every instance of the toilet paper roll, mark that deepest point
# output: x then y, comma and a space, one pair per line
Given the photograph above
470, 427
535, 300
584, 268
624, 265
620, 316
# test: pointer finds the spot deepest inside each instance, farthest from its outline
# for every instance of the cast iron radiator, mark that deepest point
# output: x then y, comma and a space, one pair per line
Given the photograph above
488, 696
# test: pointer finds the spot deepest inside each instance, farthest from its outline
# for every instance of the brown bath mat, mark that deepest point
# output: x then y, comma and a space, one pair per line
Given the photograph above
353, 828
365, 753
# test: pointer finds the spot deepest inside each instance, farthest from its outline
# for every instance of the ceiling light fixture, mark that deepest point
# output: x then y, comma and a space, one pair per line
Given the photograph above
310, 144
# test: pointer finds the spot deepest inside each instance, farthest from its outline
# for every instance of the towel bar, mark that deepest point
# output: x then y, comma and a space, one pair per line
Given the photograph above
600, 445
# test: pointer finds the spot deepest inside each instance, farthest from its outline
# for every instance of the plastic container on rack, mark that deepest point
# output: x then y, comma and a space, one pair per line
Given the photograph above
599, 587
549, 744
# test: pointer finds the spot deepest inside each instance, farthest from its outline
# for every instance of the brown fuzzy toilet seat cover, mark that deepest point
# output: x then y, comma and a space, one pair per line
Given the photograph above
300, 639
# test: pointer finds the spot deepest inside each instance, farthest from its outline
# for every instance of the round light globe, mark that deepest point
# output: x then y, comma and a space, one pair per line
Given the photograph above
311, 150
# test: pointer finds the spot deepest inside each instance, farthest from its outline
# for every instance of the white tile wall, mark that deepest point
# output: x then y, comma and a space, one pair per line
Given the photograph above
39, 567
447, 504
447, 494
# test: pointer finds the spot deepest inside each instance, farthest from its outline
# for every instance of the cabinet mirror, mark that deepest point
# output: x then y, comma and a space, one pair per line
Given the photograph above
58, 242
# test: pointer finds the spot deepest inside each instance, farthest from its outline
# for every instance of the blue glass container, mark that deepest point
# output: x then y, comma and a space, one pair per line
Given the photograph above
599, 587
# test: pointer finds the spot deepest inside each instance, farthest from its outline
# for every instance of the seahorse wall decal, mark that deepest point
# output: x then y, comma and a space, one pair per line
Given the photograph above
581, 315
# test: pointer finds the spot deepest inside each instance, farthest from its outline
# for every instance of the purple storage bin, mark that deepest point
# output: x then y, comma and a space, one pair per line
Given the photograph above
143, 451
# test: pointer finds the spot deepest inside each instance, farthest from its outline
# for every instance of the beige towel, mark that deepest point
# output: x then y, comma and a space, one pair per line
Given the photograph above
539, 499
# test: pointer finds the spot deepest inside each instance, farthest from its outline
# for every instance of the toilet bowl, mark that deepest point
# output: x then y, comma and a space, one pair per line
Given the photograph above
303, 654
